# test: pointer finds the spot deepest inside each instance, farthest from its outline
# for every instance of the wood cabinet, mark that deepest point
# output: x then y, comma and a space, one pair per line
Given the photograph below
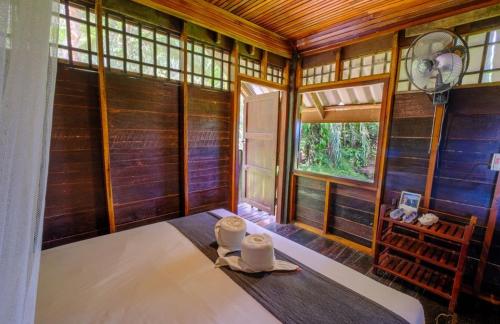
430, 257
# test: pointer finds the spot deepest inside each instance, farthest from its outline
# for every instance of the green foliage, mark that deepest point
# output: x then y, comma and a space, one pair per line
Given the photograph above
345, 150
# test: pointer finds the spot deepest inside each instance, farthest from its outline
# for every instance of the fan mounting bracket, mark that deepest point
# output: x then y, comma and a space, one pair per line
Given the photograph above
441, 98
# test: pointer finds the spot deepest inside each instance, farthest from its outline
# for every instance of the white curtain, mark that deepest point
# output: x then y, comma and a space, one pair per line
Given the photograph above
28, 34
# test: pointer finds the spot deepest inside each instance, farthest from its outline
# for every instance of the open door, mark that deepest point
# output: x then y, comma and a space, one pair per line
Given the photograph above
260, 133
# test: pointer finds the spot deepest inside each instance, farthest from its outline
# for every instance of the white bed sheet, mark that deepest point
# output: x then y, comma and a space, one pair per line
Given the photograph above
153, 274
405, 306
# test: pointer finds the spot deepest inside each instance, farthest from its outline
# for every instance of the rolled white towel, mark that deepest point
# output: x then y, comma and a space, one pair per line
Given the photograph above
257, 255
229, 232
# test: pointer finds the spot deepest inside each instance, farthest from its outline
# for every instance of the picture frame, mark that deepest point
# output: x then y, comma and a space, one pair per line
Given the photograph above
409, 201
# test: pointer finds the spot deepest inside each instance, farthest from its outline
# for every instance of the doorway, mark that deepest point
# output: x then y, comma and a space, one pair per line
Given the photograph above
258, 152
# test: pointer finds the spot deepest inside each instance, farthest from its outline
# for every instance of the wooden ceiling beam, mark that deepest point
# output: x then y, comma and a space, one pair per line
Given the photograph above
367, 27
219, 20
317, 104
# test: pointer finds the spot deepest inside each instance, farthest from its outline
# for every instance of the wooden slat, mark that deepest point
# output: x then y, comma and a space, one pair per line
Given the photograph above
185, 123
104, 118
237, 87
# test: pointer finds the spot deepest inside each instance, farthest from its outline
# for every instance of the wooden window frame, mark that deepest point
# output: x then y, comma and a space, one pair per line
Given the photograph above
310, 78
225, 62
274, 74
350, 67
254, 71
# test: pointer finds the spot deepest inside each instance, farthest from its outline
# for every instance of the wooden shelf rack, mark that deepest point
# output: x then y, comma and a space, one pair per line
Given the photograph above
430, 257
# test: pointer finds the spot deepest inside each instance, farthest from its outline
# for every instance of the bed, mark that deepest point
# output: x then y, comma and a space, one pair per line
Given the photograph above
154, 274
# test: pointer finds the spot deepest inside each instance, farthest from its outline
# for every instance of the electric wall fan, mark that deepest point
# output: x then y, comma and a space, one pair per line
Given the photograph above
436, 62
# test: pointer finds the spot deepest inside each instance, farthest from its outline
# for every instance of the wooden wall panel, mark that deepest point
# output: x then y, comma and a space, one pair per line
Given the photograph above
310, 201
209, 143
408, 151
463, 183
75, 203
145, 150
351, 213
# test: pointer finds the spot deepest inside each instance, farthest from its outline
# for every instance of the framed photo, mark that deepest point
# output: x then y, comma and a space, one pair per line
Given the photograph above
409, 201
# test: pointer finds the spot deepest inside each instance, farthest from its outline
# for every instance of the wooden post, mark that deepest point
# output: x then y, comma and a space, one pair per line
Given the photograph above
490, 230
185, 111
436, 135
327, 207
235, 102
103, 99
263, 65
338, 65
293, 194
387, 113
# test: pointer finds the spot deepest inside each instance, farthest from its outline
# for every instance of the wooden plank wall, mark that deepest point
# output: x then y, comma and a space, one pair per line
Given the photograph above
310, 201
351, 213
145, 149
75, 202
463, 184
209, 143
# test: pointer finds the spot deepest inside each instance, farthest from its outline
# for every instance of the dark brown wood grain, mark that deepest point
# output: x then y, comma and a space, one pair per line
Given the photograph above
310, 202
209, 141
144, 137
75, 206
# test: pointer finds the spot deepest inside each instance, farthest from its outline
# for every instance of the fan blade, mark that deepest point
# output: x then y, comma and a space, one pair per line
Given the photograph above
450, 66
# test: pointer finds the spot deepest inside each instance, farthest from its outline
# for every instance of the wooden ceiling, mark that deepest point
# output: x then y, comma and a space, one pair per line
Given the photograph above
318, 23
311, 26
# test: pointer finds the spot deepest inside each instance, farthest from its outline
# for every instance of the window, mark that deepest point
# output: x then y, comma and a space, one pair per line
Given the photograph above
249, 67
318, 74
136, 47
345, 150
208, 66
341, 138
372, 64
274, 74
484, 61
77, 44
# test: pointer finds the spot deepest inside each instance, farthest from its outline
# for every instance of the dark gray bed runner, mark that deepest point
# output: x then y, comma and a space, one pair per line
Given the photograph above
298, 297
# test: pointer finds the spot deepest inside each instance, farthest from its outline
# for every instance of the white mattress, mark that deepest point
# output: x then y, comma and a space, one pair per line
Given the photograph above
153, 274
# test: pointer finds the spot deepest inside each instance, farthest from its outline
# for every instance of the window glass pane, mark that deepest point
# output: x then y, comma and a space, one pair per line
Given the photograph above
492, 57
175, 75
491, 77
115, 44
175, 58
63, 54
77, 12
198, 64
175, 41
147, 33
477, 39
161, 37
470, 78
63, 36
92, 16
161, 55
379, 68
494, 36
346, 150
116, 64
78, 35
217, 69
133, 48
115, 23
475, 58
403, 86
162, 73
208, 66
198, 48
132, 28
355, 73
147, 52
93, 38
148, 70
133, 67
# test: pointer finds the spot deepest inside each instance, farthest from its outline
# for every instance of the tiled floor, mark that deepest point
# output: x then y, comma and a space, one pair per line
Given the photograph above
470, 310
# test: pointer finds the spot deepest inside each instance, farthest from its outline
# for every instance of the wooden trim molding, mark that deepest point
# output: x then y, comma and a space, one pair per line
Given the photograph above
259, 81
103, 99
327, 207
377, 78
439, 111
185, 110
235, 103
209, 16
387, 114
